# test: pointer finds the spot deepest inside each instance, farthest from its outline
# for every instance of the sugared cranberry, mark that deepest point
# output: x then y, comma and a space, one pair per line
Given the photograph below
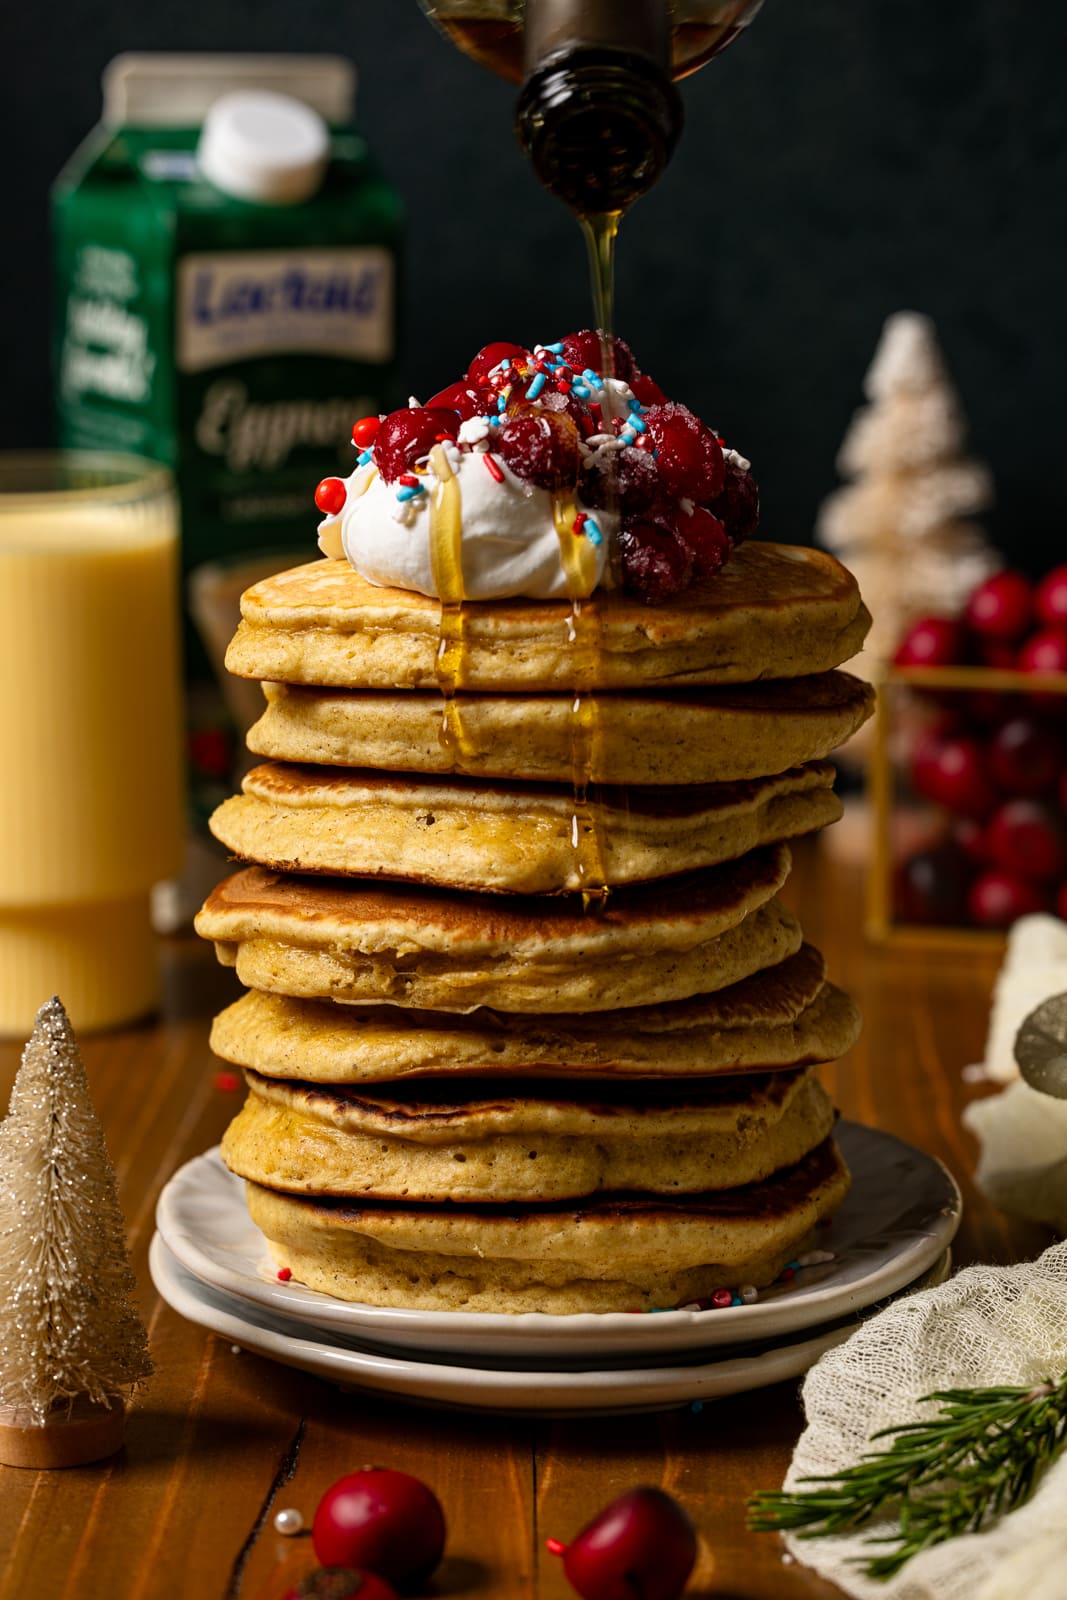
1045, 652
490, 356
688, 455
406, 436
1001, 607
997, 899
932, 642
540, 447
640, 1547
930, 886
655, 565
582, 350
331, 495
365, 431
647, 390
465, 399
341, 1583
1050, 600
1026, 838
1026, 757
952, 772
627, 475
737, 506
386, 1521
568, 404
704, 537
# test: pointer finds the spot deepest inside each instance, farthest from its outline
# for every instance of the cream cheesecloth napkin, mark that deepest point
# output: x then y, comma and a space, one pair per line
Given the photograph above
987, 1325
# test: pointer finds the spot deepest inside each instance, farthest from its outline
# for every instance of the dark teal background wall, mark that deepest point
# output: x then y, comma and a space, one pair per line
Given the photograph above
847, 159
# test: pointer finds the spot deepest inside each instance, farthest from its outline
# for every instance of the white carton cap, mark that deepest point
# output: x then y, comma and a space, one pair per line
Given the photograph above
266, 147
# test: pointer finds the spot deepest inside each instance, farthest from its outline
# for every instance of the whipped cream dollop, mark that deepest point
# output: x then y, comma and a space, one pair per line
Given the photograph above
511, 543
537, 476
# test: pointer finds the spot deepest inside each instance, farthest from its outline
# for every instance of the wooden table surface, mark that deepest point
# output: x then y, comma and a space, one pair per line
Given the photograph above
221, 1440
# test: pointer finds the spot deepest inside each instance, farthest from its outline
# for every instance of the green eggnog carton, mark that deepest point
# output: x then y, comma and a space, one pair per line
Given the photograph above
226, 256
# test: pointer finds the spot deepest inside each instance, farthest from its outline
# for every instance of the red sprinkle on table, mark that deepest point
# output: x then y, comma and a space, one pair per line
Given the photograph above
284, 1274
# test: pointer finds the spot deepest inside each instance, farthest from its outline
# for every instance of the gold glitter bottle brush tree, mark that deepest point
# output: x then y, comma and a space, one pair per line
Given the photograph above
72, 1345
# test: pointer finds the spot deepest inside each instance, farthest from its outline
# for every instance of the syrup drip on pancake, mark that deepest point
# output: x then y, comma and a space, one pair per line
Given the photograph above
583, 636
446, 557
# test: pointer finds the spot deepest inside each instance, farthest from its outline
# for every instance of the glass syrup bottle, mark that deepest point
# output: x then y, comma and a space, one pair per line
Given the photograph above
598, 113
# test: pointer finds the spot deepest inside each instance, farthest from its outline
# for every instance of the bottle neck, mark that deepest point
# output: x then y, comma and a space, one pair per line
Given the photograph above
598, 122
556, 28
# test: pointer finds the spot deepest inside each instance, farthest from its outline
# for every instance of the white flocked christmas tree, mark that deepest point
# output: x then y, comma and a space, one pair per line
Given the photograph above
902, 525
71, 1340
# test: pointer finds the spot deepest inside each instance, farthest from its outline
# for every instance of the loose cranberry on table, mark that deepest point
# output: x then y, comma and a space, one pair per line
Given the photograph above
386, 1521
997, 899
640, 1547
1026, 839
1050, 601
932, 642
1026, 757
1001, 607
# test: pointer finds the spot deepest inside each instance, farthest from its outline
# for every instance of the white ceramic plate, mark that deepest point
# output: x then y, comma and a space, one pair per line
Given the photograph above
488, 1389
900, 1216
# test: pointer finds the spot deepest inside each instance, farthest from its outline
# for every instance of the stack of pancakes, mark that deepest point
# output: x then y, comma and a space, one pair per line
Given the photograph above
473, 1083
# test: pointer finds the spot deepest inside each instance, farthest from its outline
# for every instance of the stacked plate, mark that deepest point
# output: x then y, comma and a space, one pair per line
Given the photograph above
891, 1236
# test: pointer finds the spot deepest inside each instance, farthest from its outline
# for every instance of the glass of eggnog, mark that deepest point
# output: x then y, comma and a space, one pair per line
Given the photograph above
90, 732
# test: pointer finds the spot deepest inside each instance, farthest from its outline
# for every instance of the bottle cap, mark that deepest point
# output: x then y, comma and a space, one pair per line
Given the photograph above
265, 147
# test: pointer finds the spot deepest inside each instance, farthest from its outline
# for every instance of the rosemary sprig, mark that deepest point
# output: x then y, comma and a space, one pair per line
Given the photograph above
979, 1457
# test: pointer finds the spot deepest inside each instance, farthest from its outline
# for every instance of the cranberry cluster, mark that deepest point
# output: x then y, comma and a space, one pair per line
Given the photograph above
378, 1527
996, 761
682, 504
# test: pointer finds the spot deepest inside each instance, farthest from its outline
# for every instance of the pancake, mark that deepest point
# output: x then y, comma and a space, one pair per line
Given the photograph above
710, 736
775, 611
515, 1142
611, 1253
469, 835
327, 939
783, 1017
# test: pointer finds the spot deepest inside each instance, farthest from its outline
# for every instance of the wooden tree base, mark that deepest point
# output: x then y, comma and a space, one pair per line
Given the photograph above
72, 1436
